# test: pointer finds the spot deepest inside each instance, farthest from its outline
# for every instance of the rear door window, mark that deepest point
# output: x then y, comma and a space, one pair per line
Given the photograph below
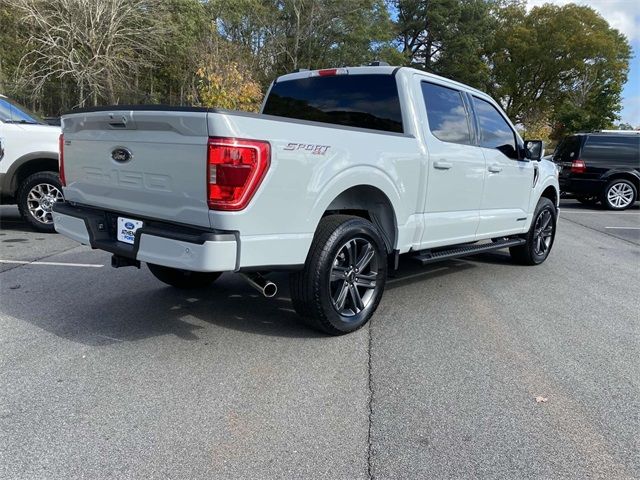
364, 101
568, 149
617, 148
495, 132
447, 114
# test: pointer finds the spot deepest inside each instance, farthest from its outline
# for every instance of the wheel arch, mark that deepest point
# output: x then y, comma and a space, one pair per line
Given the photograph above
551, 193
630, 175
28, 165
368, 202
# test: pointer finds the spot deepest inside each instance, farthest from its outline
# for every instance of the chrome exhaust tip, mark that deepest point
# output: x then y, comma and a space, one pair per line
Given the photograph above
264, 286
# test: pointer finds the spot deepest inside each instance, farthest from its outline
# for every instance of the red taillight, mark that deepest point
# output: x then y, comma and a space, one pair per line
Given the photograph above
235, 169
61, 160
578, 166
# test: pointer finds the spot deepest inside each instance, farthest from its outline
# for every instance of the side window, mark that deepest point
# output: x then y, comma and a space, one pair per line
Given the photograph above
447, 115
495, 132
616, 148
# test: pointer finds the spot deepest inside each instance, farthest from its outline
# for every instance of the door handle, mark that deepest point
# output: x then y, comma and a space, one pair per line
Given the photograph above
495, 168
441, 165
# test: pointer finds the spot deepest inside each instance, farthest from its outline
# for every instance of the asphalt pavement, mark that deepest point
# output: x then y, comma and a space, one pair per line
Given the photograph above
107, 373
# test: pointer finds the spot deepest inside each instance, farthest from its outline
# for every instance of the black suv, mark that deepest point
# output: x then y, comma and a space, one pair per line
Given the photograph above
600, 167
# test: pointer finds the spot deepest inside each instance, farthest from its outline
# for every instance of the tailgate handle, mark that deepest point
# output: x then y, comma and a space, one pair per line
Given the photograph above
122, 120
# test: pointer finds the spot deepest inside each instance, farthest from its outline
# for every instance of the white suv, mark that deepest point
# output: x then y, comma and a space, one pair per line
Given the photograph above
28, 164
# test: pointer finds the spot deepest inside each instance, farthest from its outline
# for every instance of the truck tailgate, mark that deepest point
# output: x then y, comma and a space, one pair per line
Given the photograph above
142, 163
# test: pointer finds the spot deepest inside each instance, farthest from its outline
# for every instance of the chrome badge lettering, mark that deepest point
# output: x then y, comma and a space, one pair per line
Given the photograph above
307, 147
128, 179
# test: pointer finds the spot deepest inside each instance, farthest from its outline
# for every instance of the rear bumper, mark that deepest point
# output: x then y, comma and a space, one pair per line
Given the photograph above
156, 242
581, 186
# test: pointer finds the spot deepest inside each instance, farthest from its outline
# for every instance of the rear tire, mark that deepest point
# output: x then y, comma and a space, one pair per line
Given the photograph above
36, 195
344, 275
540, 236
183, 279
619, 194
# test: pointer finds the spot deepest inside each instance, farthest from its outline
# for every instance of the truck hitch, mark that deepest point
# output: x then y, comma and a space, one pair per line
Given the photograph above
118, 261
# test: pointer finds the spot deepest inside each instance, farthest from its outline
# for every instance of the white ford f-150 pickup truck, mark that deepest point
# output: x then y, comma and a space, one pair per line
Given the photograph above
343, 170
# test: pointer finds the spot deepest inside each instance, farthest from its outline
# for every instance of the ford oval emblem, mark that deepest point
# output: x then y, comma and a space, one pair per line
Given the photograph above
121, 155
129, 226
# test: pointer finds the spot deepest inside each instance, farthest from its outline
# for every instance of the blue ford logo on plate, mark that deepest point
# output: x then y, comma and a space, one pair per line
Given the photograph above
129, 226
121, 154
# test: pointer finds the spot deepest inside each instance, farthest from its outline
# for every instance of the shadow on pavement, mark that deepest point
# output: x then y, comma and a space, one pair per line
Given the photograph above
570, 204
11, 221
103, 307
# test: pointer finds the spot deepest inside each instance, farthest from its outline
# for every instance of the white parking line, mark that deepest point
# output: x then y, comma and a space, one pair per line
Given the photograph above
597, 213
57, 264
624, 228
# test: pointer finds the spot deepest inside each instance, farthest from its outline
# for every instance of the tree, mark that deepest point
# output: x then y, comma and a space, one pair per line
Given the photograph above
12, 46
446, 37
186, 30
222, 82
279, 36
98, 45
564, 64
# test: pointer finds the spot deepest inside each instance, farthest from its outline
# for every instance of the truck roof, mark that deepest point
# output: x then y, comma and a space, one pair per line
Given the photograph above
375, 70
608, 132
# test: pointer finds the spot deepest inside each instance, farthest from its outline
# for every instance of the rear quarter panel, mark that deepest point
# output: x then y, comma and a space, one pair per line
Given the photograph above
311, 164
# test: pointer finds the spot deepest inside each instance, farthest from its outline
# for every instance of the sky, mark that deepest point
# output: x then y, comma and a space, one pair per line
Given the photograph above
623, 15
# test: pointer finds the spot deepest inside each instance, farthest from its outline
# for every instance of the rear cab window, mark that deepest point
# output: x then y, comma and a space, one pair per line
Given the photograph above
363, 101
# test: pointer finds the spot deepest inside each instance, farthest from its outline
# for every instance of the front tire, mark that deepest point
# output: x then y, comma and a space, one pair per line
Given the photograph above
344, 275
619, 194
36, 196
183, 279
540, 237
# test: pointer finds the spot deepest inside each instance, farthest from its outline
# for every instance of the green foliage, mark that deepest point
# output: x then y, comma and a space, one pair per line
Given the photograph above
283, 35
555, 69
227, 86
561, 63
12, 46
186, 26
446, 37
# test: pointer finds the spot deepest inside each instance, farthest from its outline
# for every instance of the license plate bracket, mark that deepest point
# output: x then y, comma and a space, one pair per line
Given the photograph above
127, 228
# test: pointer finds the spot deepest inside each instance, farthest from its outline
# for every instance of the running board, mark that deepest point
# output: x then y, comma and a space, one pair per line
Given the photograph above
430, 257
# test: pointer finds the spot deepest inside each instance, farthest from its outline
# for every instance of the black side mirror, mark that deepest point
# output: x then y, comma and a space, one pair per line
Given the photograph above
533, 149
1, 149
